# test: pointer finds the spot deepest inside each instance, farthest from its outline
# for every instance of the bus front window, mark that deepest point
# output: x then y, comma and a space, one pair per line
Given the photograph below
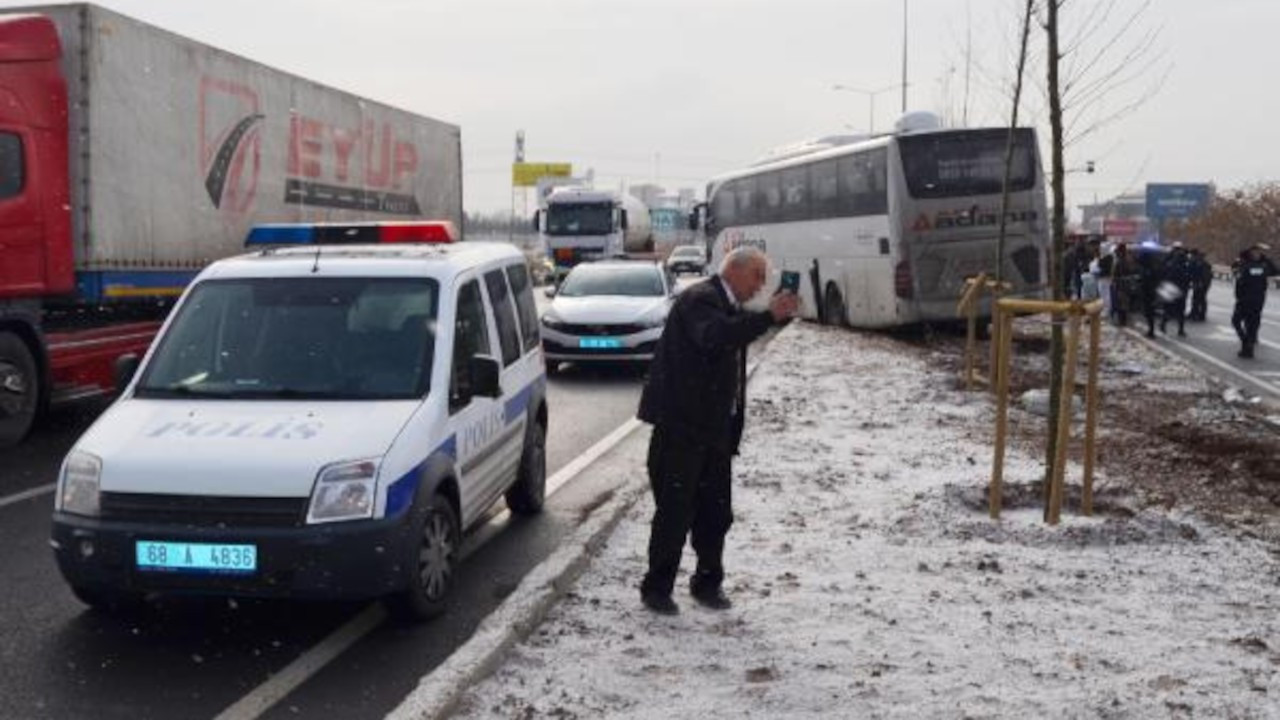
966, 162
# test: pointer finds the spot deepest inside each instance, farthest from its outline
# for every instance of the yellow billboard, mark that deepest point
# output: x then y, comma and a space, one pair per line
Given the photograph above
527, 174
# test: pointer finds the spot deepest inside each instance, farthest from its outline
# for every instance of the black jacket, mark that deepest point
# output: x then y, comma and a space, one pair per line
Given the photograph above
1251, 278
699, 365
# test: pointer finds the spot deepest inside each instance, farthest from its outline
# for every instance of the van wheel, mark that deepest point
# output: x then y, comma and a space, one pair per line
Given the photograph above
432, 563
833, 312
109, 601
529, 492
19, 389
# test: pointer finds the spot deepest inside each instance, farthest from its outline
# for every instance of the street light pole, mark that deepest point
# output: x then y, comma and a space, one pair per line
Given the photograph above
871, 101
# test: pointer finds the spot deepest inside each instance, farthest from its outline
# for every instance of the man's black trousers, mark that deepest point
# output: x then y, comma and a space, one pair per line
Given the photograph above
1246, 319
691, 493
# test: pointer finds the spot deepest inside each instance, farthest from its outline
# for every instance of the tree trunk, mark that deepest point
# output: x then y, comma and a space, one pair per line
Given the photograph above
1056, 274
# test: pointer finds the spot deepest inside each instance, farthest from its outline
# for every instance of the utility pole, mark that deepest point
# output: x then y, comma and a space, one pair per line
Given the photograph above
904, 56
519, 158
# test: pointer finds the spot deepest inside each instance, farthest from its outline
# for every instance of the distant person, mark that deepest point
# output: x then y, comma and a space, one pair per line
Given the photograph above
1146, 288
696, 401
1201, 281
1124, 284
1089, 289
1106, 274
1251, 270
1177, 275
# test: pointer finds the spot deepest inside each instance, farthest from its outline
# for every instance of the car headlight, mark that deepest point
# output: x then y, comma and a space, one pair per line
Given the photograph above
344, 491
552, 322
81, 483
655, 321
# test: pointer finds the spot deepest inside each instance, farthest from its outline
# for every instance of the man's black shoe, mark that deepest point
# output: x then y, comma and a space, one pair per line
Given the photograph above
661, 604
713, 599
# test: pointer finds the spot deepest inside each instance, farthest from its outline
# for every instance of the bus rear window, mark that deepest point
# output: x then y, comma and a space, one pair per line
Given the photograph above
966, 162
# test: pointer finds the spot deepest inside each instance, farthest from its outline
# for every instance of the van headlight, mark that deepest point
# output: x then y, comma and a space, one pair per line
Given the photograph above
344, 491
81, 483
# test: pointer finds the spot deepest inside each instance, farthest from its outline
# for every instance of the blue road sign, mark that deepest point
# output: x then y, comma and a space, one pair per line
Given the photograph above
1166, 201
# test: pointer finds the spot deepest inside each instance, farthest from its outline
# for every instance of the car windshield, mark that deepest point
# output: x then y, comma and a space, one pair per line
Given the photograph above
298, 338
626, 280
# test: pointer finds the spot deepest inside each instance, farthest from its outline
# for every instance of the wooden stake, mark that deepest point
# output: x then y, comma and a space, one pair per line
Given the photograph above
1091, 411
1004, 321
1066, 395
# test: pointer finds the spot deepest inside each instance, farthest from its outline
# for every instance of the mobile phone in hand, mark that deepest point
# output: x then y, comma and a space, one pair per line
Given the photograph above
790, 282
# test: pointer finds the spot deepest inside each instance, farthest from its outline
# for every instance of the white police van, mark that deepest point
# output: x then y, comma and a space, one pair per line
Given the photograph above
315, 421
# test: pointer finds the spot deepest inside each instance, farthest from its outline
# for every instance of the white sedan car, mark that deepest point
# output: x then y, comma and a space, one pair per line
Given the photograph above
612, 311
687, 258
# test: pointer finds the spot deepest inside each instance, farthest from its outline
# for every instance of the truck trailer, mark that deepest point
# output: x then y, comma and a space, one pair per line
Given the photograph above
131, 157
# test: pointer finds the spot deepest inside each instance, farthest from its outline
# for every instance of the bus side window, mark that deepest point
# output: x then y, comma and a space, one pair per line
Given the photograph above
795, 194
768, 198
722, 206
863, 183
744, 189
824, 193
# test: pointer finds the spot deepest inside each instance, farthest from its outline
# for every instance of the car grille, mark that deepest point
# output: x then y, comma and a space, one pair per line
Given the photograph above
204, 510
599, 330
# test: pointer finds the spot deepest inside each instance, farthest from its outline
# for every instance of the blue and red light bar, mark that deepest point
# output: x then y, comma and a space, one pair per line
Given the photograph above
372, 233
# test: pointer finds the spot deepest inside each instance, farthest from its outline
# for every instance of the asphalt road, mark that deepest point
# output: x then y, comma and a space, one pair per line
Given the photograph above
1213, 344
194, 658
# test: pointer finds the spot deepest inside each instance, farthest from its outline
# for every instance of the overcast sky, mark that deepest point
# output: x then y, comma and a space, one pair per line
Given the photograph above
679, 90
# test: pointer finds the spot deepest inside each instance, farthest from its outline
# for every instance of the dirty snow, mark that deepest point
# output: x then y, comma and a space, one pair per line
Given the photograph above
868, 580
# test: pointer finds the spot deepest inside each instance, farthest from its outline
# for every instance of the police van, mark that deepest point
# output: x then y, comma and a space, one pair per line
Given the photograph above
320, 418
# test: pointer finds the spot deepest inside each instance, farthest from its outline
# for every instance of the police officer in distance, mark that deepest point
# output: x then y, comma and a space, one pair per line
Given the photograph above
1252, 271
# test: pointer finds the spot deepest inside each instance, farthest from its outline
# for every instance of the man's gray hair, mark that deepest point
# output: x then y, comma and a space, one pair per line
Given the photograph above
741, 257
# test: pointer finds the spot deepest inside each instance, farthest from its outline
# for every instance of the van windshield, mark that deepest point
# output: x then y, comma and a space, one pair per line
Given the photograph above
298, 338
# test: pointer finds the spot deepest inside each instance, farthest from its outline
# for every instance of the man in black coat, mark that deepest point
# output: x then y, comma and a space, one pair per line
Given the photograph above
1202, 280
1253, 271
696, 401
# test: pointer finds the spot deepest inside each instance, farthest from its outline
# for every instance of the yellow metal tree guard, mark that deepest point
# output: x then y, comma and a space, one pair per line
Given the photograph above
1074, 311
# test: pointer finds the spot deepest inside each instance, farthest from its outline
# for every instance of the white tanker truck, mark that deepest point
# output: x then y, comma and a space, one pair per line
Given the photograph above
581, 224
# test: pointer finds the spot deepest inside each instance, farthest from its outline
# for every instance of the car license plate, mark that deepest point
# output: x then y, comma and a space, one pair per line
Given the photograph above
599, 343
196, 557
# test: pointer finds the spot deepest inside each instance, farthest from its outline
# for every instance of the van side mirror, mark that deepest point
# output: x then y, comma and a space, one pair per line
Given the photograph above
537, 221
622, 219
126, 366
550, 292
485, 376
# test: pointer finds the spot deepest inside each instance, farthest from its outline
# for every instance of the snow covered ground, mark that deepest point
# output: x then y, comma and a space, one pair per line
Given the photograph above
869, 582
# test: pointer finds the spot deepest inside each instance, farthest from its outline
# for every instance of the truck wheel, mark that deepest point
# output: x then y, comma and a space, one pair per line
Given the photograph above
833, 308
19, 389
433, 561
526, 496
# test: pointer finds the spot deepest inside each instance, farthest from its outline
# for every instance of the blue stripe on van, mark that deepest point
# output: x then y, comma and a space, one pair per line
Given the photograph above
519, 403
400, 492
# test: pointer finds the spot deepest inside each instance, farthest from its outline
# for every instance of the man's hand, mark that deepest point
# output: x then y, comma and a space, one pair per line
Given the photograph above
784, 305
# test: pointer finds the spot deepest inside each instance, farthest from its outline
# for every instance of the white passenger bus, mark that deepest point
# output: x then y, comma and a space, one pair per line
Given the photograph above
884, 230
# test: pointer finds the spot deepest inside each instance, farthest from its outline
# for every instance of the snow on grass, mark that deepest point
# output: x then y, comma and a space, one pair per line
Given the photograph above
868, 580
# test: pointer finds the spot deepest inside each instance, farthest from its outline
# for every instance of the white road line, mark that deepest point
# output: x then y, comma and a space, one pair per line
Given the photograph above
1256, 382
28, 494
1230, 332
309, 663
278, 686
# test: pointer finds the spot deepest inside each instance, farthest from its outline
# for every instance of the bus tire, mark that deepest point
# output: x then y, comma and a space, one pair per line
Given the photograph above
432, 559
833, 310
19, 389
526, 495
